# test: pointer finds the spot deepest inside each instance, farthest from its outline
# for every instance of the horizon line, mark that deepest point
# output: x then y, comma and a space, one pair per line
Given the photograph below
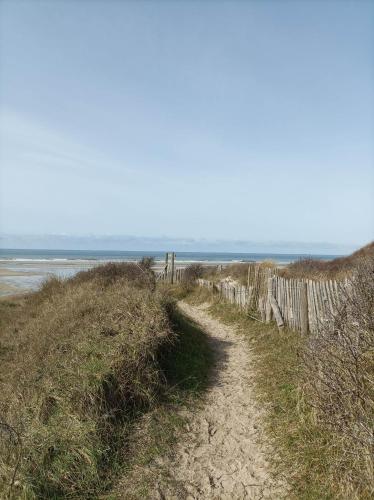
164, 251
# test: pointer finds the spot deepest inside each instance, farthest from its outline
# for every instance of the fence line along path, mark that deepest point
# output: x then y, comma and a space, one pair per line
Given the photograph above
299, 304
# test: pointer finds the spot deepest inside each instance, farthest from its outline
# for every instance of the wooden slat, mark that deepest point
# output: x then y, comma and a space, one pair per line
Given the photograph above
302, 304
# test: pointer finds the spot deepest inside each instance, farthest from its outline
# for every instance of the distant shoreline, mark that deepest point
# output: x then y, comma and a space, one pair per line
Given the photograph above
9, 254
24, 270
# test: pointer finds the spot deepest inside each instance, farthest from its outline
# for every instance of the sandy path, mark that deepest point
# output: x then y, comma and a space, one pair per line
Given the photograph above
223, 454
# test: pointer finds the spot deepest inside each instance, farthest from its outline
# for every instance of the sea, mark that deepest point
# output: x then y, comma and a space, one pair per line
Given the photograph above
26, 269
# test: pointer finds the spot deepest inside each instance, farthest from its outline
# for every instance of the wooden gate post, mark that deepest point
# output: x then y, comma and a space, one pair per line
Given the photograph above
172, 267
304, 308
166, 266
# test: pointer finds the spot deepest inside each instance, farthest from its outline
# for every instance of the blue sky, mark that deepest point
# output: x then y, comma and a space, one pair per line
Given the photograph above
211, 120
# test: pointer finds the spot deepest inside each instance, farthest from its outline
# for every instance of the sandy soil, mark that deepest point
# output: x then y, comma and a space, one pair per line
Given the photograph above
223, 453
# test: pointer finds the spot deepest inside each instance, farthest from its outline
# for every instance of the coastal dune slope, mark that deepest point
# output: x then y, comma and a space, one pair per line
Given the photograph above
78, 360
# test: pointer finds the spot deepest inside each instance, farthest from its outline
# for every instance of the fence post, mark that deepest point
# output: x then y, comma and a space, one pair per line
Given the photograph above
166, 263
268, 305
304, 308
276, 311
172, 267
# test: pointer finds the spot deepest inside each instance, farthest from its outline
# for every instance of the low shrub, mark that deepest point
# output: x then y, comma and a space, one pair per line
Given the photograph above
193, 272
339, 375
139, 274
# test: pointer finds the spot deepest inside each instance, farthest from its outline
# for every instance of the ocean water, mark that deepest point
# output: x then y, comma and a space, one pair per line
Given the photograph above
112, 255
27, 269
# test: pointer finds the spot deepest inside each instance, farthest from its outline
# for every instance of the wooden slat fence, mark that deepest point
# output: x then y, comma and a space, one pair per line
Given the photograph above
299, 304
170, 273
172, 277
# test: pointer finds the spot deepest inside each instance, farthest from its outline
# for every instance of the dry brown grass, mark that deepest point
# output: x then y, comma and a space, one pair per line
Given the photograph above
339, 375
237, 271
193, 272
78, 360
190, 275
333, 269
139, 274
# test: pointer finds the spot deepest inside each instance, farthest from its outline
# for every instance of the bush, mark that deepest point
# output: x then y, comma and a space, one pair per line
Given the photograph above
339, 367
192, 273
147, 263
139, 274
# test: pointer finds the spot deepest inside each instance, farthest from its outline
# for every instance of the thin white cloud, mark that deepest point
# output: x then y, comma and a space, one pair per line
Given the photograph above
27, 142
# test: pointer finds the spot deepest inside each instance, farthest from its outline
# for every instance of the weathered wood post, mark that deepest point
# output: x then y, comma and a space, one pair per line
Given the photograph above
304, 308
275, 307
268, 304
261, 307
248, 285
166, 266
277, 313
172, 267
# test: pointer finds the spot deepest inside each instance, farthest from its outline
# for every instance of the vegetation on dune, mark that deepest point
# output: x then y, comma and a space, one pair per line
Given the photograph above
92, 372
319, 392
79, 360
339, 379
140, 273
189, 277
304, 268
330, 269
237, 272
94, 368
192, 273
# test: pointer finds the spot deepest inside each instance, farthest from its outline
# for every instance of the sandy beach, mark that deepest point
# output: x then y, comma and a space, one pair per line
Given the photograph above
19, 276
27, 275
23, 273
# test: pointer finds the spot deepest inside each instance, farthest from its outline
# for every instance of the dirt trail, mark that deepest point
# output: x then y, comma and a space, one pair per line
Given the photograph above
223, 454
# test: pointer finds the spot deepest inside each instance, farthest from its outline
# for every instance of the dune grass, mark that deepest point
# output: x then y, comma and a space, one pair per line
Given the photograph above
330, 269
79, 362
308, 268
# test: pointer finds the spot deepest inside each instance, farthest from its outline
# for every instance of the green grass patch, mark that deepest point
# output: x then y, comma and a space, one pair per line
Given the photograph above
186, 366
